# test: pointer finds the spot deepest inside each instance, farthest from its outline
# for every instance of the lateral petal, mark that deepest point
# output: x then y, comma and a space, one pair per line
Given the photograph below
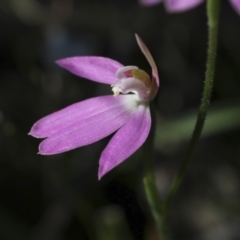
98, 69
126, 141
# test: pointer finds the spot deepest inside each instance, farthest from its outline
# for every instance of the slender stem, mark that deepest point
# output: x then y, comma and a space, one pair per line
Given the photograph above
151, 190
213, 8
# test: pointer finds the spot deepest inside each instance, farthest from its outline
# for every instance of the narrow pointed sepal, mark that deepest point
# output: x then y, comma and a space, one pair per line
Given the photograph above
149, 57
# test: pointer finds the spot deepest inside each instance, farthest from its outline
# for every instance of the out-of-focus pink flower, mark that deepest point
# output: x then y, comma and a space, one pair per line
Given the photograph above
236, 5
126, 112
184, 5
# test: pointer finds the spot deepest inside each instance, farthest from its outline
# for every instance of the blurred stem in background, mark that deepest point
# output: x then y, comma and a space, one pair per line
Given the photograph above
111, 224
158, 207
213, 8
150, 187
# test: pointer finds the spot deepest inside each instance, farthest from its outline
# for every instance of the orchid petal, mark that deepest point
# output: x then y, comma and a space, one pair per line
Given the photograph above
152, 63
149, 2
53, 123
98, 69
181, 5
126, 141
66, 117
236, 5
95, 125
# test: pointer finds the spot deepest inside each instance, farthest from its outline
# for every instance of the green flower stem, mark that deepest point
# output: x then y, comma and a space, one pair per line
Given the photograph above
213, 9
150, 187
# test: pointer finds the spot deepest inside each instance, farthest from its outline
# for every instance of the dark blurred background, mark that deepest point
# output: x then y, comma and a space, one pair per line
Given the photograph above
59, 197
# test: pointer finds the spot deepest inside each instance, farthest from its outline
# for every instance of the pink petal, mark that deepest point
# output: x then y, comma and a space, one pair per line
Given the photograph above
95, 119
181, 5
149, 2
98, 69
236, 5
74, 113
126, 141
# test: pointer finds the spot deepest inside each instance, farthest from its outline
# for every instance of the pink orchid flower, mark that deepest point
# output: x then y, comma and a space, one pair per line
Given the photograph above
126, 112
184, 5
